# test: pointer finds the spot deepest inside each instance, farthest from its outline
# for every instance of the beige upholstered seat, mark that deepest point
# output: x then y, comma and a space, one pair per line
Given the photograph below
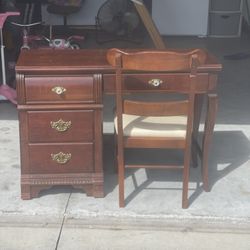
153, 126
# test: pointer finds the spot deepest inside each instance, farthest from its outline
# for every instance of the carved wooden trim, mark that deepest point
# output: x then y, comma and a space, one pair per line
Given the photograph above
61, 179
98, 88
31, 191
60, 107
20, 87
98, 141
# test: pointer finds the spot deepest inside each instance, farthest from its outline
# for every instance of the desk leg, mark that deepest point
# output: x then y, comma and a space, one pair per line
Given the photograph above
198, 103
32, 191
95, 190
207, 137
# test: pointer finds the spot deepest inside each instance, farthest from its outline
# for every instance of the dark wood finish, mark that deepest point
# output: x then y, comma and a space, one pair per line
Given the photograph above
77, 89
42, 62
35, 68
209, 127
60, 132
155, 108
41, 129
197, 115
91, 183
153, 142
153, 61
40, 161
135, 82
176, 61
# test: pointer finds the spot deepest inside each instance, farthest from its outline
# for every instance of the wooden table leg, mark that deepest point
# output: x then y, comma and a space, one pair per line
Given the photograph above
198, 103
207, 137
32, 191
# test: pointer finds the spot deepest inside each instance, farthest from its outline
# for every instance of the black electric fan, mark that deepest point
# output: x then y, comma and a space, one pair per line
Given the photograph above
116, 20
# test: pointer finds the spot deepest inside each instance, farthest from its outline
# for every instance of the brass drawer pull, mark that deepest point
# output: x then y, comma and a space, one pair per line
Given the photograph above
61, 158
155, 82
60, 125
58, 90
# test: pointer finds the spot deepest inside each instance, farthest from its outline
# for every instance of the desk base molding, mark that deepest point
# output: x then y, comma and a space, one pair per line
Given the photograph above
91, 183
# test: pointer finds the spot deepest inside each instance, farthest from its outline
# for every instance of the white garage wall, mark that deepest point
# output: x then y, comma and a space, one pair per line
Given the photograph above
181, 17
172, 17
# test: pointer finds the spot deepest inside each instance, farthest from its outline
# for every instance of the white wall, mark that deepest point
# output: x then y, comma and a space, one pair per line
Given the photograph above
172, 17
181, 17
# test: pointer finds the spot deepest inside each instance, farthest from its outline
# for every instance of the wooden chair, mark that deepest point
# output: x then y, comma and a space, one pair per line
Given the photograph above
160, 124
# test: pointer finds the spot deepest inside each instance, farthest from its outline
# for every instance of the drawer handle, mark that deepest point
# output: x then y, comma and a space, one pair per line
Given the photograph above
155, 82
60, 125
61, 158
58, 90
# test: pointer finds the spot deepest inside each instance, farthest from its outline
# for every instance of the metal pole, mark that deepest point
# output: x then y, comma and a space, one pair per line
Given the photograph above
3, 59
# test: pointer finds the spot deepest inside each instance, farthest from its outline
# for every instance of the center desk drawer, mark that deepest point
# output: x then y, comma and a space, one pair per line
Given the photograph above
164, 82
61, 126
60, 89
58, 158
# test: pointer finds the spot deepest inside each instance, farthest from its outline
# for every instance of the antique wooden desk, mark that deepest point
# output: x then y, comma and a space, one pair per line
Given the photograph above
60, 115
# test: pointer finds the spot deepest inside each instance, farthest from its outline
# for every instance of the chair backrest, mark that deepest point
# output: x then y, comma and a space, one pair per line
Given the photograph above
156, 62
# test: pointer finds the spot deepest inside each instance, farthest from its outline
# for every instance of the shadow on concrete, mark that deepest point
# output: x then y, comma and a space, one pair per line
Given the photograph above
229, 151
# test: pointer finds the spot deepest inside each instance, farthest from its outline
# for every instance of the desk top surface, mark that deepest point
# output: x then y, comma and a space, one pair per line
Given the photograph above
84, 60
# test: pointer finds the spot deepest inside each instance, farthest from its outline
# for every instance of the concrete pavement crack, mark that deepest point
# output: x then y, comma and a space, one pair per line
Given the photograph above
64, 214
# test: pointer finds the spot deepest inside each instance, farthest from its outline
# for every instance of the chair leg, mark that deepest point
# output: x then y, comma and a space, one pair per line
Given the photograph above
121, 176
185, 187
115, 154
119, 165
187, 157
208, 132
121, 185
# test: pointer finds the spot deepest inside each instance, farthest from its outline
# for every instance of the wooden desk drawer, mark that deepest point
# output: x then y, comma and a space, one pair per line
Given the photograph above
170, 82
60, 89
61, 126
69, 158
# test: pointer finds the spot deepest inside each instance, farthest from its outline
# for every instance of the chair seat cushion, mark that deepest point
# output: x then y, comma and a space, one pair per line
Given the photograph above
153, 126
